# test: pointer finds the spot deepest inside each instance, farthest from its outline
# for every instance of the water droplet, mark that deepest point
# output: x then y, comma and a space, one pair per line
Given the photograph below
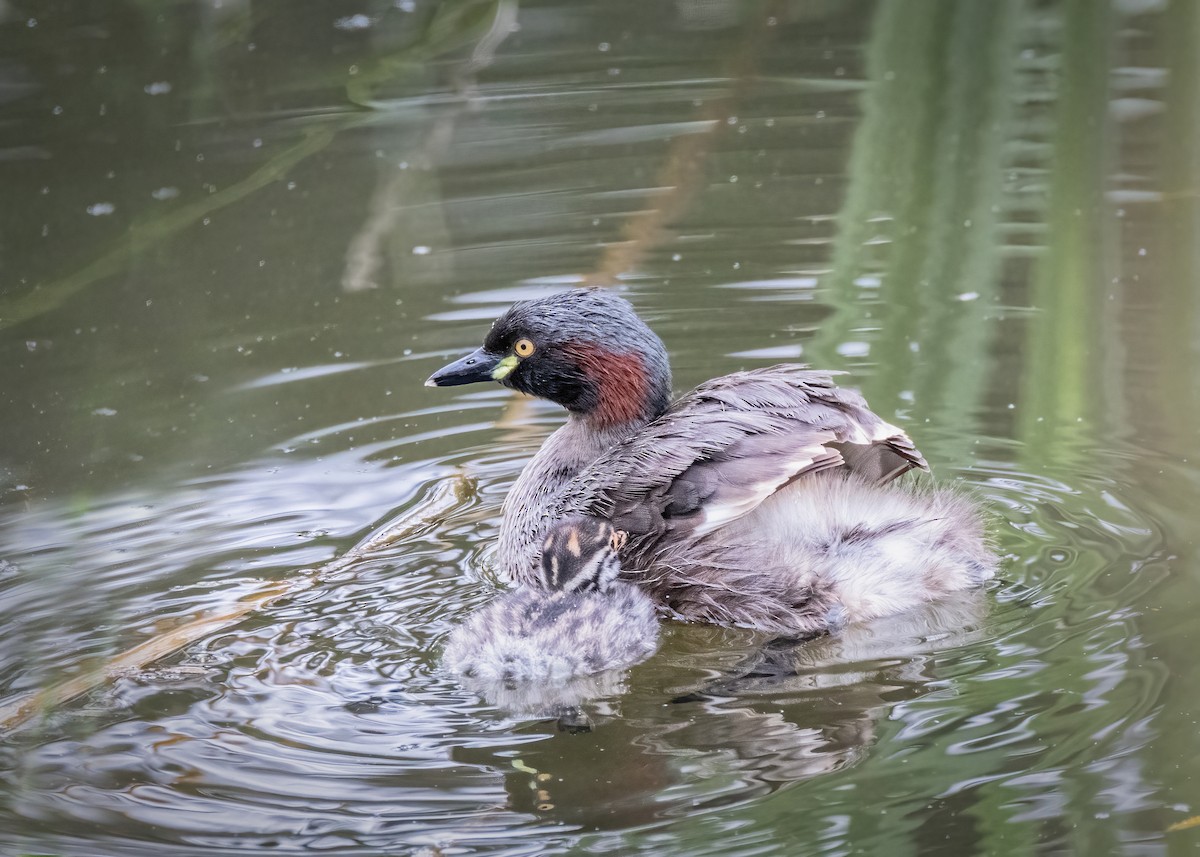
854, 349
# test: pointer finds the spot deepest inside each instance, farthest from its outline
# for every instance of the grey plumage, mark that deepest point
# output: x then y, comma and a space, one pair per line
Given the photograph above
574, 619
530, 635
763, 498
829, 551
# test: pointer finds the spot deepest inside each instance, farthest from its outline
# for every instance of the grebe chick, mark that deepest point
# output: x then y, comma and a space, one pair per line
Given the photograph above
749, 501
575, 619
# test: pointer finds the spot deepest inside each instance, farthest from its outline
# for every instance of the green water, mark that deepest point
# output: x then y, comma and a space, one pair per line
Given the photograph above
237, 236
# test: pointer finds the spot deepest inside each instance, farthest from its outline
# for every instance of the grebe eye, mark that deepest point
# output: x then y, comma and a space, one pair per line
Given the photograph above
524, 347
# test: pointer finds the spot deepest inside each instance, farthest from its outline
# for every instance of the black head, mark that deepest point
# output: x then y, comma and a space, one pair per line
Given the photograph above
585, 349
580, 554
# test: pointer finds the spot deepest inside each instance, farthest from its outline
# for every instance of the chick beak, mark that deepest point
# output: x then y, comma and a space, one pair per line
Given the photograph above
479, 365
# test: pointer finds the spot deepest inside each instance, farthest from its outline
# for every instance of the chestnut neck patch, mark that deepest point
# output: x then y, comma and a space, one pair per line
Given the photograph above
621, 390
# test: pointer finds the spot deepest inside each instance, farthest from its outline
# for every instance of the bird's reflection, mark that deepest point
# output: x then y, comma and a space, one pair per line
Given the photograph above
781, 713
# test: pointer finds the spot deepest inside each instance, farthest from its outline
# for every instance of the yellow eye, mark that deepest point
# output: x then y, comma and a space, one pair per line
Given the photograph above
524, 347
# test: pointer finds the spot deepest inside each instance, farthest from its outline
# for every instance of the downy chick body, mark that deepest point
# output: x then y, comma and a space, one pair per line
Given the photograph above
576, 619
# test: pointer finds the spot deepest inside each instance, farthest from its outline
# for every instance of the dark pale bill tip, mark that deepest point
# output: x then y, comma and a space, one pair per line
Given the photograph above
475, 367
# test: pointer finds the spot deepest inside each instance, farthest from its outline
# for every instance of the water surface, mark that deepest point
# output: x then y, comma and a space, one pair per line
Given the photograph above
236, 238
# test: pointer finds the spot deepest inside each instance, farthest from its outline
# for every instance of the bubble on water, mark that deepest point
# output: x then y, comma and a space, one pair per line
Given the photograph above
353, 22
969, 296
165, 193
421, 250
159, 87
104, 412
603, 47
101, 209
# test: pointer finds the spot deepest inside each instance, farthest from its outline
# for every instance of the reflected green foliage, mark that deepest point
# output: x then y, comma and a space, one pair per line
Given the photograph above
1063, 390
922, 211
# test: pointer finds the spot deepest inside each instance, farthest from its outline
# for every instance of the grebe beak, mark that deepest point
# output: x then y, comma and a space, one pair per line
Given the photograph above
479, 365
